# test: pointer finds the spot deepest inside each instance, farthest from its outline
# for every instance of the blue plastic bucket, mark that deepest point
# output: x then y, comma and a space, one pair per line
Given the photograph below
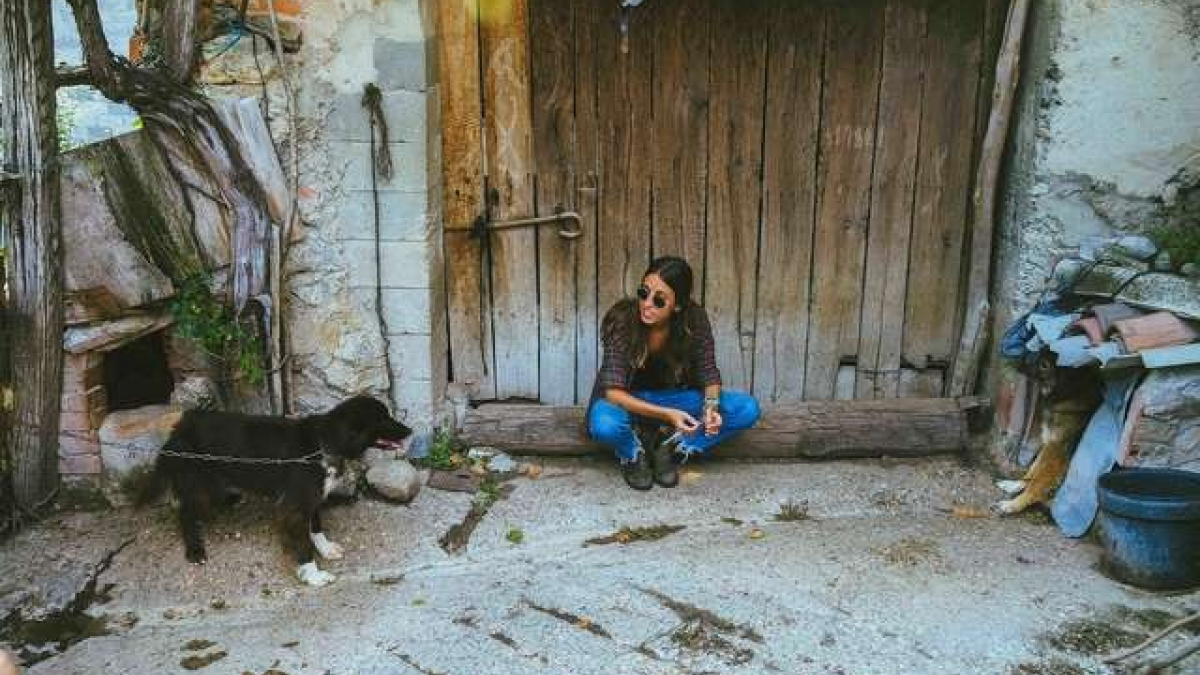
1150, 527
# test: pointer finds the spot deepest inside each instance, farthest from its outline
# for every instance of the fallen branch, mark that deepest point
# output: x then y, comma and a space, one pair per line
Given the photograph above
1148, 642
1157, 665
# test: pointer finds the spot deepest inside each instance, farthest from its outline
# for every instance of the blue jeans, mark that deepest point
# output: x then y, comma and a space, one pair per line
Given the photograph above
612, 426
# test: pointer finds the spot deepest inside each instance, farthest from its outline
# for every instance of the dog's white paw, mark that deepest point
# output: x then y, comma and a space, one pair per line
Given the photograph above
1011, 487
1007, 507
310, 574
329, 550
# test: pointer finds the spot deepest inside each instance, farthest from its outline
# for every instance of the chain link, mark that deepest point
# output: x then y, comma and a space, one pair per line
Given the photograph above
314, 458
306, 459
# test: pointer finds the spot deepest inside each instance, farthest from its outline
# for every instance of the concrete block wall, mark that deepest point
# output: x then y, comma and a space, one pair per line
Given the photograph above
399, 253
386, 231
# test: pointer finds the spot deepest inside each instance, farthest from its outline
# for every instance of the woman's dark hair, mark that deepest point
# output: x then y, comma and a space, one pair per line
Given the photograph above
676, 273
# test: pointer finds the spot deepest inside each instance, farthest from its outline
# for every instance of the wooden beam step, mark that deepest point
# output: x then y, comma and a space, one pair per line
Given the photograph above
807, 430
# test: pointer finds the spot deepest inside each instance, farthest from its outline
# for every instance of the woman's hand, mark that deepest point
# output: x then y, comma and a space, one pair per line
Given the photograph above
712, 421
681, 421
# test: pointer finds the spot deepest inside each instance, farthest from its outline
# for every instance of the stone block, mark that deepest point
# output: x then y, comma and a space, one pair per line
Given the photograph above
1152, 430
400, 64
87, 368
416, 397
404, 111
94, 399
402, 216
410, 357
130, 439
75, 443
360, 263
347, 119
404, 264
1187, 441
406, 310
410, 166
1172, 393
400, 20
196, 392
79, 465
75, 422
396, 480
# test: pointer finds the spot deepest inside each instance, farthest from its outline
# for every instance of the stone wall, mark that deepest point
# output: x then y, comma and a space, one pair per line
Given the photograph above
1106, 129
1167, 432
365, 311
1106, 140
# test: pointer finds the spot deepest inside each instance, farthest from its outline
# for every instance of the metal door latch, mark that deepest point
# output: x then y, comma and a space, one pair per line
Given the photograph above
571, 228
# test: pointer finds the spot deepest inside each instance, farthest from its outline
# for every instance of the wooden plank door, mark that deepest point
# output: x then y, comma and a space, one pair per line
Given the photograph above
812, 159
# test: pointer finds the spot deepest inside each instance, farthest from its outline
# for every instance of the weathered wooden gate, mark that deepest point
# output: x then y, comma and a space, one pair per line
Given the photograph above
812, 159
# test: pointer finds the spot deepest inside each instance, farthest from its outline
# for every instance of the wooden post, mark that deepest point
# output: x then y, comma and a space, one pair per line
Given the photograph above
983, 203
29, 209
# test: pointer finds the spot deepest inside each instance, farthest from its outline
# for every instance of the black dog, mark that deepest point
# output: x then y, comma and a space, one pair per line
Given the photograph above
293, 461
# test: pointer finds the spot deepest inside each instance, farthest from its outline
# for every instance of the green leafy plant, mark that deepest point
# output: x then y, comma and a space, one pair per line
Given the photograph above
515, 535
1179, 239
202, 317
444, 453
489, 492
791, 511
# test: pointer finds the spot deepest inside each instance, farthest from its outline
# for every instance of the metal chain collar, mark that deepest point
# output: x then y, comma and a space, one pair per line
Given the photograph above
315, 458
311, 458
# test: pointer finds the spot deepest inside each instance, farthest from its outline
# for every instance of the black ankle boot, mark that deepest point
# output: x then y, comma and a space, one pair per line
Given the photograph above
638, 474
666, 473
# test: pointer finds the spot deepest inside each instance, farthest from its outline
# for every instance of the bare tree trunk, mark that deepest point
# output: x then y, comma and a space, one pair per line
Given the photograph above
184, 121
181, 18
29, 209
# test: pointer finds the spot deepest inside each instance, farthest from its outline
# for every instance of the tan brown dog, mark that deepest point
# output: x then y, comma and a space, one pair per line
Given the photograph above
1067, 397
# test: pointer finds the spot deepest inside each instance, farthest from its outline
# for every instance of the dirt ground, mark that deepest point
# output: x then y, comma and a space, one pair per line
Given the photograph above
848, 568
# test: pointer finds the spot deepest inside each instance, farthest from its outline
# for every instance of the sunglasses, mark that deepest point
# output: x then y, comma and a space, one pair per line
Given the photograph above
659, 301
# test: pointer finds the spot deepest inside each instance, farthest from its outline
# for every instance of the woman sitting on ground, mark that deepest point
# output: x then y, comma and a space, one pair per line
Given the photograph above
660, 370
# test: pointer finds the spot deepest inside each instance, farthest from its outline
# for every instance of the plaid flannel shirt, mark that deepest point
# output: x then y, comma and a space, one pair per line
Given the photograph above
616, 369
